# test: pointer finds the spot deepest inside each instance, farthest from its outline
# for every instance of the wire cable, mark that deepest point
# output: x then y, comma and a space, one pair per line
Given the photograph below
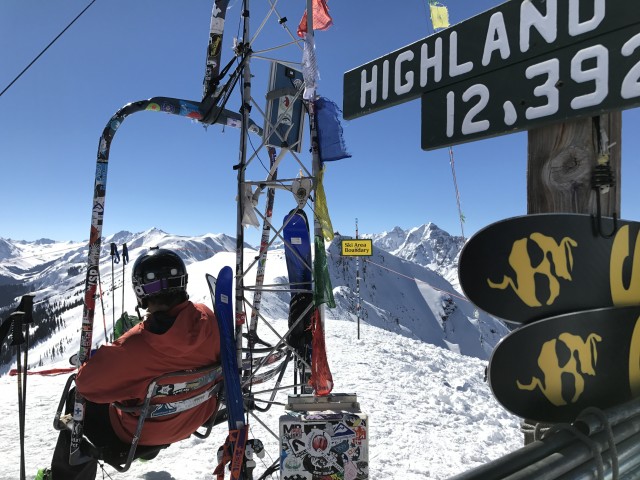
455, 185
417, 280
47, 48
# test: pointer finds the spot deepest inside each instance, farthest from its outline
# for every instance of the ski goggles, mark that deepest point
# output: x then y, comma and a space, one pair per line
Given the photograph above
165, 284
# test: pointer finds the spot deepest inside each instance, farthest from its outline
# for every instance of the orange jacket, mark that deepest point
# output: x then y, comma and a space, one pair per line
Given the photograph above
121, 372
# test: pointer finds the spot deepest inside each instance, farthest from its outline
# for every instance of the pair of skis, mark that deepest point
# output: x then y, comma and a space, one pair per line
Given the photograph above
298, 259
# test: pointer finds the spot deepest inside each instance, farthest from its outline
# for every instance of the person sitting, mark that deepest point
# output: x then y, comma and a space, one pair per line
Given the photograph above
176, 334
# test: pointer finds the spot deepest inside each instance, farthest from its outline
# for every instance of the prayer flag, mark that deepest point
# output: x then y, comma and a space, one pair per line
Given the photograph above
322, 210
330, 138
322, 289
321, 379
439, 16
321, 18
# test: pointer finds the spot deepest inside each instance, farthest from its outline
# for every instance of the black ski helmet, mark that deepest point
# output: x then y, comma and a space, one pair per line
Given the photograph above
157, 272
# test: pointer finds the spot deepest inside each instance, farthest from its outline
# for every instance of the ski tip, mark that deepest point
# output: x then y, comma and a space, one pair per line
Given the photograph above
225, 272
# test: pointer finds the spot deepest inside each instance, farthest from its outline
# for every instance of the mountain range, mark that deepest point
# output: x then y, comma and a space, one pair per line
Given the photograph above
408, 286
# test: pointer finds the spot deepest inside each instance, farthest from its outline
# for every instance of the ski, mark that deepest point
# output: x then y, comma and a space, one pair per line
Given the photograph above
214, 49
255, 362
47, 372
169, 408
262, 253
234, 447
527, 268
298, 259
255, 379
553, 369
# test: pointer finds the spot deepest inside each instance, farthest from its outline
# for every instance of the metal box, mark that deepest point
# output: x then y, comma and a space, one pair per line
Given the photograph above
324, 437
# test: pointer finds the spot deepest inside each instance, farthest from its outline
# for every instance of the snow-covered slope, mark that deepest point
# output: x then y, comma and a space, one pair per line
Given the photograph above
412, 300
51, 268
422, 396
431, 414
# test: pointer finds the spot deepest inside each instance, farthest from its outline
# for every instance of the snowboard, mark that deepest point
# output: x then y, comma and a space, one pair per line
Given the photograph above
298, 259
552, 369
531, 267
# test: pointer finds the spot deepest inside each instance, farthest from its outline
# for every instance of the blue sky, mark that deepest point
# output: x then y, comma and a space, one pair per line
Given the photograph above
168, 172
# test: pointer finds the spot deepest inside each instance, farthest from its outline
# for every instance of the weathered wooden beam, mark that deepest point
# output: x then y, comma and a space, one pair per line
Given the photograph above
561, 160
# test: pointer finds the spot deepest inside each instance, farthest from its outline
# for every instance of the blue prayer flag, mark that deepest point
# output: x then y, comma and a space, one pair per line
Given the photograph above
331, 141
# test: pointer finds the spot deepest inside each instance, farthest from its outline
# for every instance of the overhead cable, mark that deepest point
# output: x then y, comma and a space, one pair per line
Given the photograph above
46, 48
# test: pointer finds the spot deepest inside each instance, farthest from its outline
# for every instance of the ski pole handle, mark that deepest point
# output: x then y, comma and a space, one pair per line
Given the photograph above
26, 307
18, 337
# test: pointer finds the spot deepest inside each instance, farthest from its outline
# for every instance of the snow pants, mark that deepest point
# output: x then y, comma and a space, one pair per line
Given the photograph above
97, 428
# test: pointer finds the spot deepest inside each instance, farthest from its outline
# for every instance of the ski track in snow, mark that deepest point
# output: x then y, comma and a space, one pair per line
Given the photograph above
430, 412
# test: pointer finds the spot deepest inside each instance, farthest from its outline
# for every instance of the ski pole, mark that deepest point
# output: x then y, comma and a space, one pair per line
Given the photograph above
125, 260
104, 316
25, 309
115, 258
18, 341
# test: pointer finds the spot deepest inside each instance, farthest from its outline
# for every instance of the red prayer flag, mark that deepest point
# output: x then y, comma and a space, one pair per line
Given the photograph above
321, 379
321, 18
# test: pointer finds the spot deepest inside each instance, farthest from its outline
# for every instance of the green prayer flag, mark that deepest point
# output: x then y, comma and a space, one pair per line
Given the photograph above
322, 289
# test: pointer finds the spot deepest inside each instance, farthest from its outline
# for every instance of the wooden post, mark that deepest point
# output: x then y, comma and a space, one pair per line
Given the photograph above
561, 161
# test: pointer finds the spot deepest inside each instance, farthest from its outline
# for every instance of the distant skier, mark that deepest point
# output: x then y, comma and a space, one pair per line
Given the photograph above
175, 335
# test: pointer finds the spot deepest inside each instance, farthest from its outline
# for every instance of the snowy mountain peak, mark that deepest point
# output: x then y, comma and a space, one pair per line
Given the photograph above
44, 241
427, 245
388, 241
154, 231
7, 249
119, 238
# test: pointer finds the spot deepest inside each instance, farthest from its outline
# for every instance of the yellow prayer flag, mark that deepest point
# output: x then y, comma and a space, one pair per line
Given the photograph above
439, 16
322, 211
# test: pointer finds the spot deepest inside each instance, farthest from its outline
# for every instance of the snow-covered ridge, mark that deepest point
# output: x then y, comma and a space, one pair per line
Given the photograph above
405, 287
413, 300
32, 262
426, 245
